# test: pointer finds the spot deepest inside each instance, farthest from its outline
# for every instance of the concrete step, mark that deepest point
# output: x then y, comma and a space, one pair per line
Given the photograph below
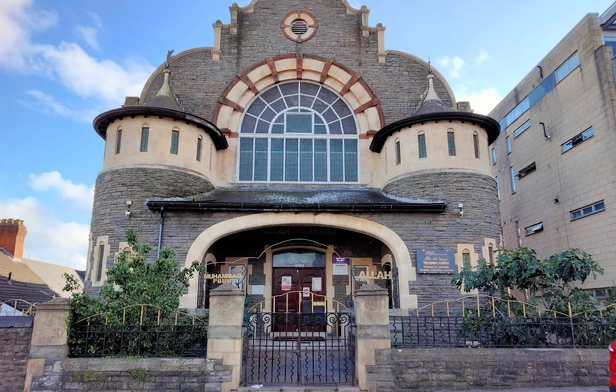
291, 388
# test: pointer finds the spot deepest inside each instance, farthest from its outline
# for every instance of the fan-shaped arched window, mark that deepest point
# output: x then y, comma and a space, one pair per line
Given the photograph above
298, 132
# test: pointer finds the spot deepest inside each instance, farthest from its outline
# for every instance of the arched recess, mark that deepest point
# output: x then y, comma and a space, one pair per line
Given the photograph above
347, 83
399, 250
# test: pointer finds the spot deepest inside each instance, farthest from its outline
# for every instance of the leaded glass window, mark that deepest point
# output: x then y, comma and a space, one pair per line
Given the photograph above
298, 132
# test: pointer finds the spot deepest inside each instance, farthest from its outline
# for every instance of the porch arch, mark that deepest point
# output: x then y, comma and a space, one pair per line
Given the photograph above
400, 252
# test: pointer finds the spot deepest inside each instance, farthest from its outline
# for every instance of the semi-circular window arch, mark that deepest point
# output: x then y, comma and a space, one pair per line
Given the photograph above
298, 132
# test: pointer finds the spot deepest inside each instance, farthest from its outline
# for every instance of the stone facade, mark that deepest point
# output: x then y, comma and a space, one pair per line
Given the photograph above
406, 369
443, 198
15, 334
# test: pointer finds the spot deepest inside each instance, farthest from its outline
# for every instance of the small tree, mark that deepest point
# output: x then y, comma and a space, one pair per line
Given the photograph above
552, 280
137, 294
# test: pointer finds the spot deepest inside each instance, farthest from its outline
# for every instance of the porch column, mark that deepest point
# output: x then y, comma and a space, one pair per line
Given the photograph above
225, 330
372, 322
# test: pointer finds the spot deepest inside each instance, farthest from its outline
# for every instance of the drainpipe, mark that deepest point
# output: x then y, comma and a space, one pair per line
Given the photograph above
160, 231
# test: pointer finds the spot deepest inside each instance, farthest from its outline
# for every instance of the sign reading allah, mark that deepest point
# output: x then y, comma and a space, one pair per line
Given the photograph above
373, 276
436, 262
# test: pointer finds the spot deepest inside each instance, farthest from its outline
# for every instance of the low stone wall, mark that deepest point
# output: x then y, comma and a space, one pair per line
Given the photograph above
490, 369
15, 335
124, 375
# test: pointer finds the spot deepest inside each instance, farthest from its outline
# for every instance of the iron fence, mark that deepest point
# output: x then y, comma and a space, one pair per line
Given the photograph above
139, 333
484, 321
528, 332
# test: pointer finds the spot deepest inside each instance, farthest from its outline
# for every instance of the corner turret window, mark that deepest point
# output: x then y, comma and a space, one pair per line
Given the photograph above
298, 132
421, 141
199, 147
145, 135
118, 145
476, 144
398, 153
175, 139
451, 143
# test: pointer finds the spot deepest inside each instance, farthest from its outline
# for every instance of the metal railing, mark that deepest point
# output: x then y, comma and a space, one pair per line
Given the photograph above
483, 321
137, 331
17, 307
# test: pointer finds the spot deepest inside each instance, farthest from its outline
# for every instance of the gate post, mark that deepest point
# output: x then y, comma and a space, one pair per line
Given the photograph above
225, 330
372, 323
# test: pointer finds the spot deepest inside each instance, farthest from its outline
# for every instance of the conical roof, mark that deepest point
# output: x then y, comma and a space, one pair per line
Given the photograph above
432, 103
165, 98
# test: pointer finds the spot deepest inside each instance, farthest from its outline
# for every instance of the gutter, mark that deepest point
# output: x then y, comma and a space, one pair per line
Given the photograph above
436, 207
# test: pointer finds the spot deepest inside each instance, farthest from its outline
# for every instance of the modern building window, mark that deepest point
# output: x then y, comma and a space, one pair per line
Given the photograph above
527, 170
175, 139
118, 141
451, 143
567, 67
476, 144
421, 140
588, 210
521, 129
530, 230
577, 139
512, 175
497, 188
199, 147
508, 140
466, 259
398, 153
494, 156
145, 135
298, 132
547, 85
99, 265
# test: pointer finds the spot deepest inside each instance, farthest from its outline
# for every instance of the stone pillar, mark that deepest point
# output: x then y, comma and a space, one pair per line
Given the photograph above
48, 344
372, 322
224, 340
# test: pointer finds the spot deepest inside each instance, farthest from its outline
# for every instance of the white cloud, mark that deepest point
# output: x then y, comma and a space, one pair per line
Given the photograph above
89, 35
453, 64
482, 102
77, 193
103, 80
48, 239
481, 57
46, 104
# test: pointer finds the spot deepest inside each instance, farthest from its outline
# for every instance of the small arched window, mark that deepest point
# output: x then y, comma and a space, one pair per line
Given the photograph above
398, 153
118, 145
421, 142
451, 142
476, 144
145, 136
466, 259
199, 147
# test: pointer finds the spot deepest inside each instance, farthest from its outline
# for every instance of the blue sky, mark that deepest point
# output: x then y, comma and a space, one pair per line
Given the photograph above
63, 62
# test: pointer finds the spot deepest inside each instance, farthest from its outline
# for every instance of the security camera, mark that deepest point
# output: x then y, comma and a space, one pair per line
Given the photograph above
461, 214
127, 213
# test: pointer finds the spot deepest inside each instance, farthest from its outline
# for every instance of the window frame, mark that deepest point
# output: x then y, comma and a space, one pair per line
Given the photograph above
533, 229
509, 147
332, 142
494, 156
512, 175
521, 129
118, 145
527, 170
175, 142
199, 148
451, 143
422, 146
145, 137
594, 210
398, 153
98, 276
476, 144
577, 139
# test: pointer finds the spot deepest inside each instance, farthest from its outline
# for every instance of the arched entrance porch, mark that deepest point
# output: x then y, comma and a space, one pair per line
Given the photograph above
397, 247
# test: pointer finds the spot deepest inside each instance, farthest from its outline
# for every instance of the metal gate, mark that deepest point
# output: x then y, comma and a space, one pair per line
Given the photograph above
310, 347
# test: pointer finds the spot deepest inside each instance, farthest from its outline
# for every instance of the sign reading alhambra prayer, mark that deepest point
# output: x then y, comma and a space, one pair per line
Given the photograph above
436, 262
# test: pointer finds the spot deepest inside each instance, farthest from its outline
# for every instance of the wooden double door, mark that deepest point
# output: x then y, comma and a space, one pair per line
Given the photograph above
296, 291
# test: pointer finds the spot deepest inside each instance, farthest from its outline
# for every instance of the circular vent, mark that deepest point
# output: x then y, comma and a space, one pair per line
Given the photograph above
299, 27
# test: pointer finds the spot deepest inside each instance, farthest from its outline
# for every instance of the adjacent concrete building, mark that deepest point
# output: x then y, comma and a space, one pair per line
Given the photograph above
555, 159
298, 154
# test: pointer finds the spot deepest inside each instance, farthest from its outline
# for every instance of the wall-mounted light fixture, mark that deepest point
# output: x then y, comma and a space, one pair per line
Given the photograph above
461, 212
128, 204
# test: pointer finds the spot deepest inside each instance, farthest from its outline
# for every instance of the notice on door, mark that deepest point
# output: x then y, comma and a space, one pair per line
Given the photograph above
317, 284
286, 283
306, 292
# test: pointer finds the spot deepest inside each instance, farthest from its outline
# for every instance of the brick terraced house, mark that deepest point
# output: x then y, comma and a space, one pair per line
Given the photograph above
298, 154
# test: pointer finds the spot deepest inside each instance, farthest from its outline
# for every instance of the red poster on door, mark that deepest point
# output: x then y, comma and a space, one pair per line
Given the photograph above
286, 283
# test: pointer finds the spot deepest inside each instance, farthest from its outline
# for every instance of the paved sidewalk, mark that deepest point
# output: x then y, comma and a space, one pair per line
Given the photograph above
554, 389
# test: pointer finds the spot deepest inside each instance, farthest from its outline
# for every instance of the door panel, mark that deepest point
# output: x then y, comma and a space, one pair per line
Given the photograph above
288, 306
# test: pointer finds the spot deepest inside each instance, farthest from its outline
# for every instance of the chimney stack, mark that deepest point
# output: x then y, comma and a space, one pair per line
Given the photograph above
12, 235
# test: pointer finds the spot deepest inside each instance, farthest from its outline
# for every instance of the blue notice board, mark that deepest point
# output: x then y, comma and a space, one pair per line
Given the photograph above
436, 262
